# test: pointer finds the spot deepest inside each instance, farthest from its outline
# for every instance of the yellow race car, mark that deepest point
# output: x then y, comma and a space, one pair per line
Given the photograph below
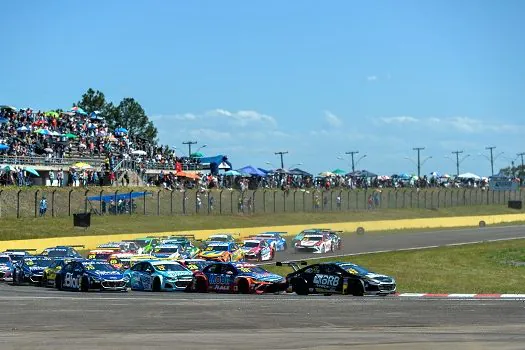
222, 251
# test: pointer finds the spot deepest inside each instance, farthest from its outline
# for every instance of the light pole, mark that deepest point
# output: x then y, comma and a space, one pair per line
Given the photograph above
356, 163
458, 161
352, 153
522, 165
281, 154
418, 149
492, 158
189, 143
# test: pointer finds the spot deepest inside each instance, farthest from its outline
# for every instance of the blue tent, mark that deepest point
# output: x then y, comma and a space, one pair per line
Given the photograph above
264, 170
119, 196
251, 171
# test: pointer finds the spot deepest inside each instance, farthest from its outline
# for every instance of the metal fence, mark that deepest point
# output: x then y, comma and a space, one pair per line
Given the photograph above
65, 202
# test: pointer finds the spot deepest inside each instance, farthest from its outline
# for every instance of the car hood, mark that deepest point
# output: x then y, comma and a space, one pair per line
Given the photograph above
254, 250
178, 274
266, 277
380, 278
36, 269
107, 275
212, 253
308, 243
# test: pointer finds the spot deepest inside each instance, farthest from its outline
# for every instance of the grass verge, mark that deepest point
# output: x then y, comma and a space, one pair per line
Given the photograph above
474, 268
27, 228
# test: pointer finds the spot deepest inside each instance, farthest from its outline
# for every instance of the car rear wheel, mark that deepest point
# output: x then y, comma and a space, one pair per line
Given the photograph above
299, 287
200, 285
156, 285
44, 280
243, 286
84, 285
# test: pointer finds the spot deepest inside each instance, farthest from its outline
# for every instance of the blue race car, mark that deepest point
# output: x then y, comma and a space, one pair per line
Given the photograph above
30, 269
85, 275
237, 278
275, 239
159, 275
62, 251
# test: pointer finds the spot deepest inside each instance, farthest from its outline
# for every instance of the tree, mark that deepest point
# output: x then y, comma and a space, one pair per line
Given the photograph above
92, 101
129, 114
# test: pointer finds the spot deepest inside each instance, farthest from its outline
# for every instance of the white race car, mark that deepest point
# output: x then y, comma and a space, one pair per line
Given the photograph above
314, 243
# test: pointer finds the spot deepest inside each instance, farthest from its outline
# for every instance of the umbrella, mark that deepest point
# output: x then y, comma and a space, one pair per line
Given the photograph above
232, 173
43, 132
48, 150
8, 168
51, 114
3, 147
23, 129
77, 110
32, 171
197, 155
121, 130
326, 174
3, 120
281, 171
81, 165
70, 136
54, 133
139, 152
339, 172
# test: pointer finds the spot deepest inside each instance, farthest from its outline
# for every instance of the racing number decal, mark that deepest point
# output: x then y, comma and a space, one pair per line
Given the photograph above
70, 281
192, 267
90, 267
245, 269
326, 281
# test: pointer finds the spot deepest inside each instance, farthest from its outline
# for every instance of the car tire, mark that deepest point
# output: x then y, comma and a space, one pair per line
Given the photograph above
45, 283
243, 286
259, 257
299, 287
359, 289
156, 285
285, 246
58, 283
84, 285
200, 285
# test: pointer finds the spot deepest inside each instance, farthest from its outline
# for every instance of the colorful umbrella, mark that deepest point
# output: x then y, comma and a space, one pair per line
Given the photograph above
23, 129
70, 136
51, 114
77, 110
339, 172
43, 132
32, 171
232, 173
326, 174
81, 165
3, 147
8, 168
197, 155
121, 130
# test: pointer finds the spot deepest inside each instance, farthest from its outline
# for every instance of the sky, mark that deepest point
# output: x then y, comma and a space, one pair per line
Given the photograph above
314, 78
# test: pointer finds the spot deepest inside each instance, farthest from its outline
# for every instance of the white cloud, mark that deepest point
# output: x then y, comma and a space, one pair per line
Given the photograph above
332, 119
242, 117
371, 78
399, 120
208, 134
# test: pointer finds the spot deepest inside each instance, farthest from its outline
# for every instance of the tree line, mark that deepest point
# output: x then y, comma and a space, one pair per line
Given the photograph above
127, 114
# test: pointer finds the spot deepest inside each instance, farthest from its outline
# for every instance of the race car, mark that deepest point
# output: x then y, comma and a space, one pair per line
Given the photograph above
18, 254
159, 275
275, 239
145, 244
189, 249
337, 241
301, 234
257, 249
30, 269
167, 251
314, 243
62, 252
339, 278
236, 278
6, 266
120, 247
222, 237
85, 275
194, 265
123, 261
100, 254
221, 251
50, 272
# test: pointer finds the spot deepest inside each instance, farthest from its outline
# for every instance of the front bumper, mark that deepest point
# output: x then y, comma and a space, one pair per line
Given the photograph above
113, 285
176, 285
380, 289
310, 249
35, 278
6, 276
270, 287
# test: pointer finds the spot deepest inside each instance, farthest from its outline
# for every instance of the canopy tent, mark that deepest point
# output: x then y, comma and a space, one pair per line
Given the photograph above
224, 166
469, 176
264, 170
232, 173
120, 196
339, 171
216, 163
326, 174
197, 155
280, 171
299, 172
362, 173
250, 170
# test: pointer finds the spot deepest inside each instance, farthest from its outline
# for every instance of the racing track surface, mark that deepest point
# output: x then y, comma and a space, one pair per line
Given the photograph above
37, 318
390, 241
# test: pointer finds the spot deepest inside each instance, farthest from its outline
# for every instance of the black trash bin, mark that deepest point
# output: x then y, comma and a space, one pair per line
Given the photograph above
515, 205
82, 220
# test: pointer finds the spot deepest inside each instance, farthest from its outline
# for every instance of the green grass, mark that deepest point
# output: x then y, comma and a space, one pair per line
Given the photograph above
27, 228
474, 268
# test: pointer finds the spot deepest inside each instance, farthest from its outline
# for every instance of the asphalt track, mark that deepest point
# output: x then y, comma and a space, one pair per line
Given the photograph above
39, 318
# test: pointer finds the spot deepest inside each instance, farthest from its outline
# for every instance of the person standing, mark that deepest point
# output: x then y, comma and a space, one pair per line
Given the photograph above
43, 206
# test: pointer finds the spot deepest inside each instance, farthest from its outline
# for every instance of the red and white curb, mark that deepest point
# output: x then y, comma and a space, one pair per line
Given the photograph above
467, 296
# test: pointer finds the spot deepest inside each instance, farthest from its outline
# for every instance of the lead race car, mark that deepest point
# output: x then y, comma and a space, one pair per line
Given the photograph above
337, 277
86, 275
159, 275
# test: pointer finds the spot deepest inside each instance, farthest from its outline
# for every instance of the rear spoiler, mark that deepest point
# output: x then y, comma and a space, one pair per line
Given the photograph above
20, 250
73, 246
293, 264
182, 235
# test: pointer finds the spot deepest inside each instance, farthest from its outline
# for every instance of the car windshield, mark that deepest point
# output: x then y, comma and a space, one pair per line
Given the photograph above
218, 248
169, 267
252, 269
98, 266
251, 244
167, 250
38, 262
354, 269
4, 259
56, 253
218, 239
98, 256
313, 238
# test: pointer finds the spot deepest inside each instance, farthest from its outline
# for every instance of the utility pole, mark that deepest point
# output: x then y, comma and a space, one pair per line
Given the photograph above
189, 143
352, 153
522, 167
491, 148
457, 153
281, 154
418, 149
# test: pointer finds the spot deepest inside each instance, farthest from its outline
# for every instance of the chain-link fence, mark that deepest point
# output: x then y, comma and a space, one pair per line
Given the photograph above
66, 202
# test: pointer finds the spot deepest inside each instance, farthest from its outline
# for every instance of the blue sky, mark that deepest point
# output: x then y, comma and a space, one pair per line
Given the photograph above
312, 78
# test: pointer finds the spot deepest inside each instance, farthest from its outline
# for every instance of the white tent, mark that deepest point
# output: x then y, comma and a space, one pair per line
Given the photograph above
469, 176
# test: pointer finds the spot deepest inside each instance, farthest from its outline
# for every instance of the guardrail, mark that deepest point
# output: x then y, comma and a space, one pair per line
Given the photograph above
65, 202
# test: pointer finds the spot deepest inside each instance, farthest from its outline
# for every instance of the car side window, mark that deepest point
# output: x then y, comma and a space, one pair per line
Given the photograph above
312, 269
147, 268
136, 267
228, 270
328, 269
215, 268
68, 267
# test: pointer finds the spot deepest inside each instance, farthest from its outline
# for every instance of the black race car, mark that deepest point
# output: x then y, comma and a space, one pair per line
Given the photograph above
337, 277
